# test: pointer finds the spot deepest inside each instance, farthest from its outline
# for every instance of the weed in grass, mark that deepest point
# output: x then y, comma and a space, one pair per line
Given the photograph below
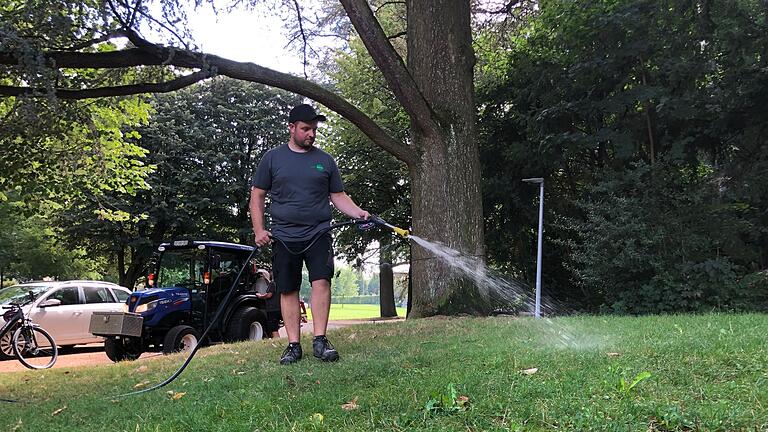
625, 386
446, 403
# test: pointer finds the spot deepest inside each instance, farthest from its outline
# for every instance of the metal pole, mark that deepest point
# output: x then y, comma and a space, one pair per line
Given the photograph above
537, 312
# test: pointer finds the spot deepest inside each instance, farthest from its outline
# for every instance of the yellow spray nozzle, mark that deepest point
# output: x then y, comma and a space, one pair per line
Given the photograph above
403, 232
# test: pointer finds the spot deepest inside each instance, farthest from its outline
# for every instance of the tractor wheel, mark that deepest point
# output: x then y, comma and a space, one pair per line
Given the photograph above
247, 323
181, 338
117, 350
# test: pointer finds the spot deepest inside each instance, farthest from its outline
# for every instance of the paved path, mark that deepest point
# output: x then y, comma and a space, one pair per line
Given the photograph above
89, 355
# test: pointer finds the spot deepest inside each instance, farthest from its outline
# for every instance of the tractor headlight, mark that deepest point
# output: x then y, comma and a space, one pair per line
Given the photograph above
146, 307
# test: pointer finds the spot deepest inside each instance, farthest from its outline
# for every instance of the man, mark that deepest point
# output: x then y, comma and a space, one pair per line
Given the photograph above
300, 179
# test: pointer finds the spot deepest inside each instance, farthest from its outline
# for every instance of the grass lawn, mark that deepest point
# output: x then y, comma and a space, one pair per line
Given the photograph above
355, 311
660, 373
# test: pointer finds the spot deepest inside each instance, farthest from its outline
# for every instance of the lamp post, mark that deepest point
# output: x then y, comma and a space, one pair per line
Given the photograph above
540, 181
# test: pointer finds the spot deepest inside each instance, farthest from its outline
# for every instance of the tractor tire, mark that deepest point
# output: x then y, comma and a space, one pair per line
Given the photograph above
247, 323
117, 351
181, 338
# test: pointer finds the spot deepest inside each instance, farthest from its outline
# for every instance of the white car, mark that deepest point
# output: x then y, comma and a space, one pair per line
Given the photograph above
63, 308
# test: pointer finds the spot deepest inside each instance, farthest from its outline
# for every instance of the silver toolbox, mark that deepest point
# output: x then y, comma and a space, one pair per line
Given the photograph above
116, 323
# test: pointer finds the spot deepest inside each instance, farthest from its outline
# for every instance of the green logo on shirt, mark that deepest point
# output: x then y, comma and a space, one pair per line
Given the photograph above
319, 167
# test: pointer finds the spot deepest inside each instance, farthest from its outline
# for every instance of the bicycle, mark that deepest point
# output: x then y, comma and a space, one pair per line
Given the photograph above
32, 345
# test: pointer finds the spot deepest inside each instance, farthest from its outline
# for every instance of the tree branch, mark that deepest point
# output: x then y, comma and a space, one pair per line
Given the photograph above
303, 36
391, 64
119, 19
388, 3
94, 41
256, 73
101, 60
397, 35
133, 15
163, 87
154, 20
147, 53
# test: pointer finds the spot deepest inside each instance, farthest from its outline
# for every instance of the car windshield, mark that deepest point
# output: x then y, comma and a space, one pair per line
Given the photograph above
182, 267
19, 294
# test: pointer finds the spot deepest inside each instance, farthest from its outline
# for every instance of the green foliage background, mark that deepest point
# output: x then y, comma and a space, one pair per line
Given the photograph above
645, 119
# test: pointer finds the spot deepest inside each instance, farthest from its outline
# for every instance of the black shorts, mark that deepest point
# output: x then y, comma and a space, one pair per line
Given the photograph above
286, 266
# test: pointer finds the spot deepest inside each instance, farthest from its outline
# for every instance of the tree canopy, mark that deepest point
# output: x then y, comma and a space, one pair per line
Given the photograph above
644, 118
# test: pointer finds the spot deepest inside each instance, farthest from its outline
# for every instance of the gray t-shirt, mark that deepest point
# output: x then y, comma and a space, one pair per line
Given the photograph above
299, 185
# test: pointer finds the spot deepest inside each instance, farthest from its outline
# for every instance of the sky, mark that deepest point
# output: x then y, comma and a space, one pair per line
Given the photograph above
246, 36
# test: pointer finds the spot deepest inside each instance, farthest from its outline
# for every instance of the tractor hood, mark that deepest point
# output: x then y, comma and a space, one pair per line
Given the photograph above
148, 302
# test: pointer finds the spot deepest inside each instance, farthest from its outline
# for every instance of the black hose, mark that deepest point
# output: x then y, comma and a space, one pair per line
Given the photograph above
225, 301
317, 235
223, 304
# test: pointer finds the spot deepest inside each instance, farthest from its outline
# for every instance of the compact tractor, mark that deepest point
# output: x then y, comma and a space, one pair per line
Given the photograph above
187, 283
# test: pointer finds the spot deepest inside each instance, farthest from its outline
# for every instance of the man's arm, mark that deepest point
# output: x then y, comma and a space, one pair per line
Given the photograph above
256, 206
344, 203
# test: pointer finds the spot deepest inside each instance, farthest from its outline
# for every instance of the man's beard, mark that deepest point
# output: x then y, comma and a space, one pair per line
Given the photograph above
305, 144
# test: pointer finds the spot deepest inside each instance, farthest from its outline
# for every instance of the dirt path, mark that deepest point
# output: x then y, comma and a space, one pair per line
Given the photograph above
90, 355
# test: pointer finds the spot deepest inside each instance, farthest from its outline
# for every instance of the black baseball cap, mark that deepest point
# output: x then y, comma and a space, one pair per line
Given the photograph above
304, 113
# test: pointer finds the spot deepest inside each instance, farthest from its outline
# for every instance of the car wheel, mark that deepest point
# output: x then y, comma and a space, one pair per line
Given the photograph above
117, 350
247, 323
181, 338
6, 347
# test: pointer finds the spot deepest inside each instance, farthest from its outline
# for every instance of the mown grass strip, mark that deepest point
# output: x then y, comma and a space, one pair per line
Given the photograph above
700, 373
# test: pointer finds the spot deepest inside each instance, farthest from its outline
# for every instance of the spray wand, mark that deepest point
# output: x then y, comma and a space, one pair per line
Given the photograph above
379, 221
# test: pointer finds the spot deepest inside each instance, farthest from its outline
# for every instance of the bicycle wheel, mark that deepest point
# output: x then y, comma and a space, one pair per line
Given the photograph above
34, 347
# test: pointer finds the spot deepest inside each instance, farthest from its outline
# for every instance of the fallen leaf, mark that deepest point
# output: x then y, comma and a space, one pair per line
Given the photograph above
18, 425
530, 371
142, 368
352, 336
462, 400
317, 381
207, 379
141, 384
178, 395
351, 405
613, 354
58, 411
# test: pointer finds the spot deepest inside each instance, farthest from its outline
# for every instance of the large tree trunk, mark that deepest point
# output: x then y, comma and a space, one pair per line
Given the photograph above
446, 197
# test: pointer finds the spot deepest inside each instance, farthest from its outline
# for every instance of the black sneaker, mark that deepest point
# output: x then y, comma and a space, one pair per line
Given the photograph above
324, 350
292, 354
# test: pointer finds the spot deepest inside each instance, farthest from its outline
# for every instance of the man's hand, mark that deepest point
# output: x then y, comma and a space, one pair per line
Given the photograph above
263, 238
363, 215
